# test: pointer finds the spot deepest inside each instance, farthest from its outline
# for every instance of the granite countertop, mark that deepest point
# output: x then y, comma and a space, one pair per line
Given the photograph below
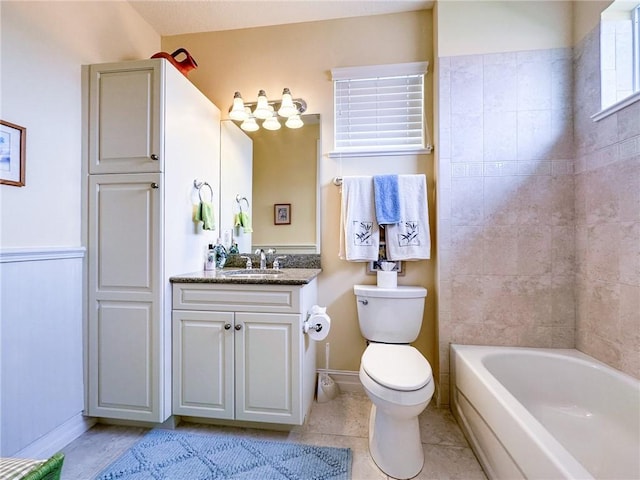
285, 276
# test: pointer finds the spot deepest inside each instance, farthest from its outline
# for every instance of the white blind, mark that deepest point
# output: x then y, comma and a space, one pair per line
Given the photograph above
381, 113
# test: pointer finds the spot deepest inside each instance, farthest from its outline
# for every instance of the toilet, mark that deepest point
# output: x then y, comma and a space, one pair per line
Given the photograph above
396, 377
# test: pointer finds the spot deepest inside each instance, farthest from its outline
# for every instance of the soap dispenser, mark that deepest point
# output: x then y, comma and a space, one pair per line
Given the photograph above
220, 254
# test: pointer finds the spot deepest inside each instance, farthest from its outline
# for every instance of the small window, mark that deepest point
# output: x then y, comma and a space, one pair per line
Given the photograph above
619, 56
636, 47
379, 110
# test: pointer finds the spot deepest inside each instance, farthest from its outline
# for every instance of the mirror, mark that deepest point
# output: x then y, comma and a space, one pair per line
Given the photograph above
283, 171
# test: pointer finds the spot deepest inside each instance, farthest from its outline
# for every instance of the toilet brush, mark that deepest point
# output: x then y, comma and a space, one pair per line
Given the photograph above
327, 388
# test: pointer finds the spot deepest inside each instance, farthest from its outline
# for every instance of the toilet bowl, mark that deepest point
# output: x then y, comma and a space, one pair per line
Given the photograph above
399, 382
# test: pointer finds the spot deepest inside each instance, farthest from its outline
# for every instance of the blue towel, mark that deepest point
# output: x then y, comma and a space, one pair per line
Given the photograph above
387, 199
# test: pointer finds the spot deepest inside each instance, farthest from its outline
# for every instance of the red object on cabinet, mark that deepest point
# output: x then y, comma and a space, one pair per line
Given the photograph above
185, 65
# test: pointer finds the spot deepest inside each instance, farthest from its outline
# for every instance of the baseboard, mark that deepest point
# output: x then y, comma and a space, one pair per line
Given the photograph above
347, 381
58, 438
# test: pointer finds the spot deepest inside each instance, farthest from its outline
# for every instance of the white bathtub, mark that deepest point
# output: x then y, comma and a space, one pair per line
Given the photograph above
546, 413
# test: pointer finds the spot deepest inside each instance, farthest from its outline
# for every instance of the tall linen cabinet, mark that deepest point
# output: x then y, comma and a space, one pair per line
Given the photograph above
150, 134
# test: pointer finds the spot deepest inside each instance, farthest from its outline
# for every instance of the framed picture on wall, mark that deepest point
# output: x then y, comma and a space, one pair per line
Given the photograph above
13, 142
282, 214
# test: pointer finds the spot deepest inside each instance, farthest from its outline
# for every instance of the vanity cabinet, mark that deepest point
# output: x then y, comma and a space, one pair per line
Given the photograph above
239, 352
150, 133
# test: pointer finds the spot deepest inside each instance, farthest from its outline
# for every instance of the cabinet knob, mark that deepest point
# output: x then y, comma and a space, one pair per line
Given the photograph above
227, 326
154, 156
238, 327
154, 185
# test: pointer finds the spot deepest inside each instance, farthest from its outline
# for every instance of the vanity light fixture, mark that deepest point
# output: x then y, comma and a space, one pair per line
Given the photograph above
268, 111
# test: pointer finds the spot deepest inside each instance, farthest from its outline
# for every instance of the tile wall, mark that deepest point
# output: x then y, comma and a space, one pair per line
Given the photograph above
538, 218
505, 201
607, 206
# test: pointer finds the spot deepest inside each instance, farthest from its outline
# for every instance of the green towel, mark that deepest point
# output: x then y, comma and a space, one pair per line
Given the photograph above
243, 220
204, 213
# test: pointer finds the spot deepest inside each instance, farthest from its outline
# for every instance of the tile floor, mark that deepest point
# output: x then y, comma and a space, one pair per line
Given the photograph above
341, 422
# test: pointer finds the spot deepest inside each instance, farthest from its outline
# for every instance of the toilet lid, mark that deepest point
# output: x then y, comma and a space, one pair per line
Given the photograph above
399, 367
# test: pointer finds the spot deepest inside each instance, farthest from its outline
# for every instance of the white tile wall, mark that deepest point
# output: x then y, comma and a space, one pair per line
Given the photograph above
538, 207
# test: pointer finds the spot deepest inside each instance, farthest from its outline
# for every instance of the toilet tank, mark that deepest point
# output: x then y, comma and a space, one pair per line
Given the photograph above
390, 315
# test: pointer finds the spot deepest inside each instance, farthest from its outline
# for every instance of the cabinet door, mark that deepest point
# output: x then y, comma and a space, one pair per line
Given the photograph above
125, 297
268, 386
125, 118
203, 364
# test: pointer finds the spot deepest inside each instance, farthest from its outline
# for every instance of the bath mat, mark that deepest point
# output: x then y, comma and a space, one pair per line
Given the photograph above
171, 455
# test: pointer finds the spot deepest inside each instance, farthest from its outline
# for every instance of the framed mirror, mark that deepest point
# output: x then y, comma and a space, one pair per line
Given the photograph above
284, 171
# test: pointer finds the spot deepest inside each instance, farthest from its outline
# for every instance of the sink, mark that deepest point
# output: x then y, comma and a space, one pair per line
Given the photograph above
252, 273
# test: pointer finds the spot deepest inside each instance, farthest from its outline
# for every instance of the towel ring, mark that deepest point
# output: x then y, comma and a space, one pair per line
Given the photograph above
239, 199
199, 186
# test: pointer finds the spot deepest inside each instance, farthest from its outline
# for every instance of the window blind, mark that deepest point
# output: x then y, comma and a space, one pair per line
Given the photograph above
380, 113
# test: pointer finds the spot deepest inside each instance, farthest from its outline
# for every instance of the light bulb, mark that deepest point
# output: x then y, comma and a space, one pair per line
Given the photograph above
294, 121
262, 107
237, 111
250, 124
272, 122
287, 107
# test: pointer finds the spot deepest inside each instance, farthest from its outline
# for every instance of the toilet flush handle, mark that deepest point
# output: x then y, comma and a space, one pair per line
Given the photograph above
364, 302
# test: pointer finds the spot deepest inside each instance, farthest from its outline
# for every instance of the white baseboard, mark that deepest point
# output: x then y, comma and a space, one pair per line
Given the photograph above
347, 381
57, 439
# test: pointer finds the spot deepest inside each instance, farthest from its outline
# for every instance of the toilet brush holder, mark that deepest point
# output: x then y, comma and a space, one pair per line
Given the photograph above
327, 388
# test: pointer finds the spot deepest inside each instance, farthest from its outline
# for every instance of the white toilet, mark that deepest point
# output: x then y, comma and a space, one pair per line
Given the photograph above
396, 377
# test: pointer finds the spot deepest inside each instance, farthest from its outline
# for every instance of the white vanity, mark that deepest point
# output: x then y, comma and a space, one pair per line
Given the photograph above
239, 351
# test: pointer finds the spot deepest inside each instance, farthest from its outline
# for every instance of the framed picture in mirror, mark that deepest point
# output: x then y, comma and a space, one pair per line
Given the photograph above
282, 214
12, 154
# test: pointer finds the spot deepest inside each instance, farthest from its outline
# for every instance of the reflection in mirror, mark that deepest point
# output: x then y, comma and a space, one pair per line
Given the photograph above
284, 167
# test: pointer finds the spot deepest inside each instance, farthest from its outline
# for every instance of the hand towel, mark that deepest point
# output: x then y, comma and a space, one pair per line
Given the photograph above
410, 239
204, 213
243, 220
359, 233
387, 199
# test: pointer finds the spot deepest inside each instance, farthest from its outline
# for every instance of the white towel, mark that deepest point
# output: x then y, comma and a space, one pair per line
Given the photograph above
410, 239
359, 233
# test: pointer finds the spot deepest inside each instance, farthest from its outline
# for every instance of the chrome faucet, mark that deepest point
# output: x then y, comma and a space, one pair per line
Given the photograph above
276, 262
248, 265
263, 256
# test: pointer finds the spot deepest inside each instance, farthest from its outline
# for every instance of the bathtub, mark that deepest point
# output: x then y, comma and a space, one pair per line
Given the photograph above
546, 413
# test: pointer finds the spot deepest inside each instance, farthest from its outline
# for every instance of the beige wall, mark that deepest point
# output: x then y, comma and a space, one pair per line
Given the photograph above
300, 57
478, 27
44, 45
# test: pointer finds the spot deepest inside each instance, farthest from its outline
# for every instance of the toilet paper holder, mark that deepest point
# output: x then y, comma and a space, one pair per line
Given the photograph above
306, 326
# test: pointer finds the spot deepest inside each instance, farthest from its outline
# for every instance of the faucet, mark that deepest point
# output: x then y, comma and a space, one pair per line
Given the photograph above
263, 256
248, 265
276, 262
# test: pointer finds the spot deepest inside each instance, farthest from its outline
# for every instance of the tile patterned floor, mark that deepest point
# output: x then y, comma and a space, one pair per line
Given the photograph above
341, 422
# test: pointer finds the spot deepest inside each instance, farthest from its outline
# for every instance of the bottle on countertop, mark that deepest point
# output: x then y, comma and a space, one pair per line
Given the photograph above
210, 258
220, 254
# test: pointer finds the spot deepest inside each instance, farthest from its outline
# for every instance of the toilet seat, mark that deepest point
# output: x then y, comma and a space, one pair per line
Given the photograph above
397, 367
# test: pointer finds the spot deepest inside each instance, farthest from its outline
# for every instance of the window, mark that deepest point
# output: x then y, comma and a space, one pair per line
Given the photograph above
619, 56
636, 47
379, 110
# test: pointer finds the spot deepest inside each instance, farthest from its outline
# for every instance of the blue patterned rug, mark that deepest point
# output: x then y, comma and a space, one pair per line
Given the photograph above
170, 455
